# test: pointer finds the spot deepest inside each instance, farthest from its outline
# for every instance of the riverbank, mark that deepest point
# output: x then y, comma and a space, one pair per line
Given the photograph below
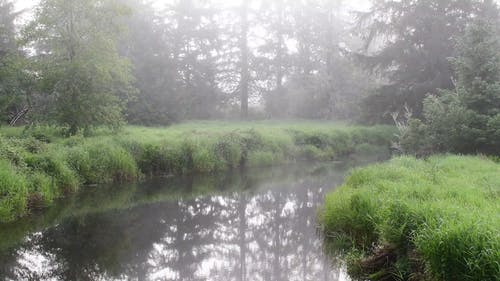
408, 219
120, 231
118, 197
38, 165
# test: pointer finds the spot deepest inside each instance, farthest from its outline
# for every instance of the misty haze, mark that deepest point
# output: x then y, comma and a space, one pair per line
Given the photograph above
250, 140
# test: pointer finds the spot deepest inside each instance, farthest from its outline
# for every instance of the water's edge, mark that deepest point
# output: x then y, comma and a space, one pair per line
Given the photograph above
243, 224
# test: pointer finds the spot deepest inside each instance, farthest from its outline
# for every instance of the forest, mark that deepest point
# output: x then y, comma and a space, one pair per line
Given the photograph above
100, 93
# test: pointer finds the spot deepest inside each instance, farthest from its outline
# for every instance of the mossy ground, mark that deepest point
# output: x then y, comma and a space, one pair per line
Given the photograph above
39, 165
409, 219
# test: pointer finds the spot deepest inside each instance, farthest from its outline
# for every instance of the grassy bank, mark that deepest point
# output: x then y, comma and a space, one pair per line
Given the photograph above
435, 219
37, 165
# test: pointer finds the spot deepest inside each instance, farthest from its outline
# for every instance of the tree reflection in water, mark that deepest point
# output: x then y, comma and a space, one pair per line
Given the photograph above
250, 225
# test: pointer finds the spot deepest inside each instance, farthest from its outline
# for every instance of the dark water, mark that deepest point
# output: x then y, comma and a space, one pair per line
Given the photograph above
258, 224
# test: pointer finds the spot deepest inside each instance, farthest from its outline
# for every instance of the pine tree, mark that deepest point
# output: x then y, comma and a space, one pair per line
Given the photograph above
409, 42
467, 118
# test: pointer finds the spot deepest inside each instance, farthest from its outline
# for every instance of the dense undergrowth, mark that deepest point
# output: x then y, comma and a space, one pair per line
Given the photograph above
37, 165
408, 219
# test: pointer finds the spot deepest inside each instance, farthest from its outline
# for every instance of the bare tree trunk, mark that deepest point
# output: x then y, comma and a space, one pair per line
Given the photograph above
279, 53
244, 60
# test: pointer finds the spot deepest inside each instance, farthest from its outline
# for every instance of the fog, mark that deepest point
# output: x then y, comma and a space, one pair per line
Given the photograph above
162, 62
198, 93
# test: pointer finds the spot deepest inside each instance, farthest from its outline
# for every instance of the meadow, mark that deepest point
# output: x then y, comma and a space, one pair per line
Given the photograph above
409, 219
39, 165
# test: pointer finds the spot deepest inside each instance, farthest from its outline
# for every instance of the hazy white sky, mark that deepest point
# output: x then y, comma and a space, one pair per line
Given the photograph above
355, 4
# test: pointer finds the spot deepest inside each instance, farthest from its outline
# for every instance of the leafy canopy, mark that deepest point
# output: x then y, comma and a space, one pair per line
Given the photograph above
77, 58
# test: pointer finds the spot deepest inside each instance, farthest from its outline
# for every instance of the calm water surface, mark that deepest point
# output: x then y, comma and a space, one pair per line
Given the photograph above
257, 224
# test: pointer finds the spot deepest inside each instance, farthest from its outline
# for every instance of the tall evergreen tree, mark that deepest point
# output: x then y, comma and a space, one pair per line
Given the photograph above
149, 51
467, 118
417, 38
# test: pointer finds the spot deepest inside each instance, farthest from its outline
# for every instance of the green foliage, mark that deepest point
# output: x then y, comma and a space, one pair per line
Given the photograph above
352, 218
52, 166
15, 82
415, 61
176, 59
13, 192
465, 120
438, 217
42, 190
11, 152
84, 78
462, 251
263, 158
45, 134
100, 162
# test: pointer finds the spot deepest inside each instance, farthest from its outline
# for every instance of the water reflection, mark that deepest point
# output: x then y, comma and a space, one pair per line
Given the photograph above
247, 225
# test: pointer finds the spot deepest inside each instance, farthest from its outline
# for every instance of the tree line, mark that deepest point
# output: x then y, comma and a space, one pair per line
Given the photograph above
81, 64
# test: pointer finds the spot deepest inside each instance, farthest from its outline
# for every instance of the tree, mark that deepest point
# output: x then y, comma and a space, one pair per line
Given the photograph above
244, 59
175, 52
466, 119
306, 55
78, 62
417, 38
149, 50
14, 80
274, 58
194, 33
7, 28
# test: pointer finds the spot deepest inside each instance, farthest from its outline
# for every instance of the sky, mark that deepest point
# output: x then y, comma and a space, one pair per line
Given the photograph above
354, 4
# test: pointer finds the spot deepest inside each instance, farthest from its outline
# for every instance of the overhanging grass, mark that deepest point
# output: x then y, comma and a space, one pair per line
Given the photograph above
40, 165
434, 219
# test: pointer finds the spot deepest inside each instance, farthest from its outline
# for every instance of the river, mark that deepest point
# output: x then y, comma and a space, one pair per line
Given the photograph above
253, 224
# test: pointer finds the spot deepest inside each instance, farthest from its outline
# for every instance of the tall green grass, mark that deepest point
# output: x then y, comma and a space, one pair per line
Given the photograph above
13, 191
434, 219
39, 165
